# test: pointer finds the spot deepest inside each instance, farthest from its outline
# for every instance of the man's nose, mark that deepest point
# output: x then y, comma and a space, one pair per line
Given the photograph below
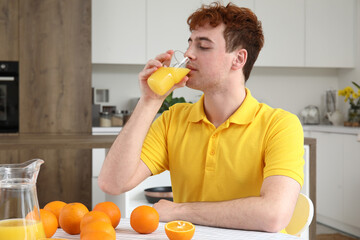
189, 53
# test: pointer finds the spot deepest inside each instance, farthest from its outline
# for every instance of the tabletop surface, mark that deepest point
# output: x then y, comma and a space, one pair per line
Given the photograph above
125, 232
55, 141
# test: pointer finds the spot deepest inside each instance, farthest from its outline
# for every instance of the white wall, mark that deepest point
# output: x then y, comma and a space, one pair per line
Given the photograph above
292, 88
289, 88
347, 76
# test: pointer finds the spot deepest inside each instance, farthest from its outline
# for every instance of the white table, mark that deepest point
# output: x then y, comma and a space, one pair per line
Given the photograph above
125, 232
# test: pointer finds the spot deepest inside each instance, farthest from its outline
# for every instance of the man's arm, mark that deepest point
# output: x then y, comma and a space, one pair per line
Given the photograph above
123, 169
270, 212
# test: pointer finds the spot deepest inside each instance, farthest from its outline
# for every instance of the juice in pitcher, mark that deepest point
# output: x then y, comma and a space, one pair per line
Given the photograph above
165, 77
21, 229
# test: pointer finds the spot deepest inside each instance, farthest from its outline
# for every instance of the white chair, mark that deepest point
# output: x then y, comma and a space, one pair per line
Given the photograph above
302, 216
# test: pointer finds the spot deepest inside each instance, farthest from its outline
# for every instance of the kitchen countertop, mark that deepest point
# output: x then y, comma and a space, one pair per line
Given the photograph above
318, 128
332, 129
55, 141
106, 130
100, 138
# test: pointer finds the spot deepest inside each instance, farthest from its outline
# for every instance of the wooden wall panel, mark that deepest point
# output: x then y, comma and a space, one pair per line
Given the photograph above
9, 156
55, 92
65, 175
55, 66
9, 30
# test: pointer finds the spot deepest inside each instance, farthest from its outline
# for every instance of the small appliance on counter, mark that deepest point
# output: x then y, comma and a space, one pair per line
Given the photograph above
310, 115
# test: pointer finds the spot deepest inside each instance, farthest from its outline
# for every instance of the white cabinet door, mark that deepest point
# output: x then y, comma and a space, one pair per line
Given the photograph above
330, 29
167, 26
241, 3
283, 24
329, 175
118, 31
352, 181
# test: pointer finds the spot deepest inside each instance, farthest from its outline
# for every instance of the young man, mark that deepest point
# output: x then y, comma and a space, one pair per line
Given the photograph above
234, 162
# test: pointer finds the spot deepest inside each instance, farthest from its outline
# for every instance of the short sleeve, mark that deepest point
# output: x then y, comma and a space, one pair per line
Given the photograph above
285, 148
154, 151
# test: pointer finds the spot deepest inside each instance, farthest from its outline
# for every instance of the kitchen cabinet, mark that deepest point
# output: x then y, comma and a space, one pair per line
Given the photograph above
9, 30
284, 29
298, 33
167, 26
351, 181
118, 31
330, 33
338, 181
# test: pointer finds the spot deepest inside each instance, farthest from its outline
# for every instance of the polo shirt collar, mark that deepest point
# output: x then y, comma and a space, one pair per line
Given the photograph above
243, 115
247, 111
197, 112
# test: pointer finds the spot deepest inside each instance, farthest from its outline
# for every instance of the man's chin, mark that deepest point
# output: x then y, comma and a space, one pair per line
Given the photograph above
190, 84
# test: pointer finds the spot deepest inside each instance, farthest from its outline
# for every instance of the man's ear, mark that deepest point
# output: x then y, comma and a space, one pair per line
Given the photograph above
239, 59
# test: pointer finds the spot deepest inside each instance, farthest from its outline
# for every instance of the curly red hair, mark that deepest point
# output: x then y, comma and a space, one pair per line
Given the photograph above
242, 29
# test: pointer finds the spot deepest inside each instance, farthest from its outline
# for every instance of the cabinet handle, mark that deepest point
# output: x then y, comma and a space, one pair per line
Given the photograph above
7, 78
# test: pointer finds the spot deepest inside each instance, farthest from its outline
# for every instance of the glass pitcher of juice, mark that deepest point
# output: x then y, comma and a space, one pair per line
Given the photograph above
166, 77
19, 207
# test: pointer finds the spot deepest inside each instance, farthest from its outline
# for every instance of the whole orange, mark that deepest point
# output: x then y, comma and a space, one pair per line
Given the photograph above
49, 222
144, 219
33, 215
97, 235
98, 226
111, 209
93, 216
70, 217
55, 207
179, 230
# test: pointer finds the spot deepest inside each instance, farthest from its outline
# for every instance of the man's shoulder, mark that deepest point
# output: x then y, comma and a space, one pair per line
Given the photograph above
277, 115
178, 111
181, 106
270, 111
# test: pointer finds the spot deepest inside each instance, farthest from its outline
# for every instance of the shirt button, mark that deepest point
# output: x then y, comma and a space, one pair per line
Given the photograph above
212, 152
214, 136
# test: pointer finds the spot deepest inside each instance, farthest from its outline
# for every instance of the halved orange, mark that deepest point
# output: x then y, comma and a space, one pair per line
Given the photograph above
179, 230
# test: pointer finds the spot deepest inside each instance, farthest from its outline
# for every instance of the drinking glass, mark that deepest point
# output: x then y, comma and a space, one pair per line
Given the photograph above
165, 77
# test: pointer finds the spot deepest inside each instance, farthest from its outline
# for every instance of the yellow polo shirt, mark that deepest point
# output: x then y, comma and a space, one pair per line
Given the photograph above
228, 162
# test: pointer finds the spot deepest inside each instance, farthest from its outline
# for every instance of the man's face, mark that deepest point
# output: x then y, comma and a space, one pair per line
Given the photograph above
210, 64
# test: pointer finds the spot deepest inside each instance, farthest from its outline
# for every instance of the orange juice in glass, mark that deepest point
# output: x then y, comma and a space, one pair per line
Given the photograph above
166, 77
20, 229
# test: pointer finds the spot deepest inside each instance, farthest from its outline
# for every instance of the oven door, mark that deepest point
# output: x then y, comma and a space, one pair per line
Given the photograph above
9, 101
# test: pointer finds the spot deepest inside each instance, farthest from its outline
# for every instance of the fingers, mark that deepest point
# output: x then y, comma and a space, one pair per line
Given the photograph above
180, 84
160, 59
153, 64
165, 56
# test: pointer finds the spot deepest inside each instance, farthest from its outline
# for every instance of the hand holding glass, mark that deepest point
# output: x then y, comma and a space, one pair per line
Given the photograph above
165, 78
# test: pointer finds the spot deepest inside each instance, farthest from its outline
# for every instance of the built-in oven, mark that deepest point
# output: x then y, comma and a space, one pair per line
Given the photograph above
9, 97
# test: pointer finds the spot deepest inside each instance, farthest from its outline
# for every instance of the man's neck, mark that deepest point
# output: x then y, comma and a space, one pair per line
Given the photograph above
220, 106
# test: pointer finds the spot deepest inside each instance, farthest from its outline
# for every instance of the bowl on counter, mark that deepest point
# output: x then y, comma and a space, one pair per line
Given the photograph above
153, 195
